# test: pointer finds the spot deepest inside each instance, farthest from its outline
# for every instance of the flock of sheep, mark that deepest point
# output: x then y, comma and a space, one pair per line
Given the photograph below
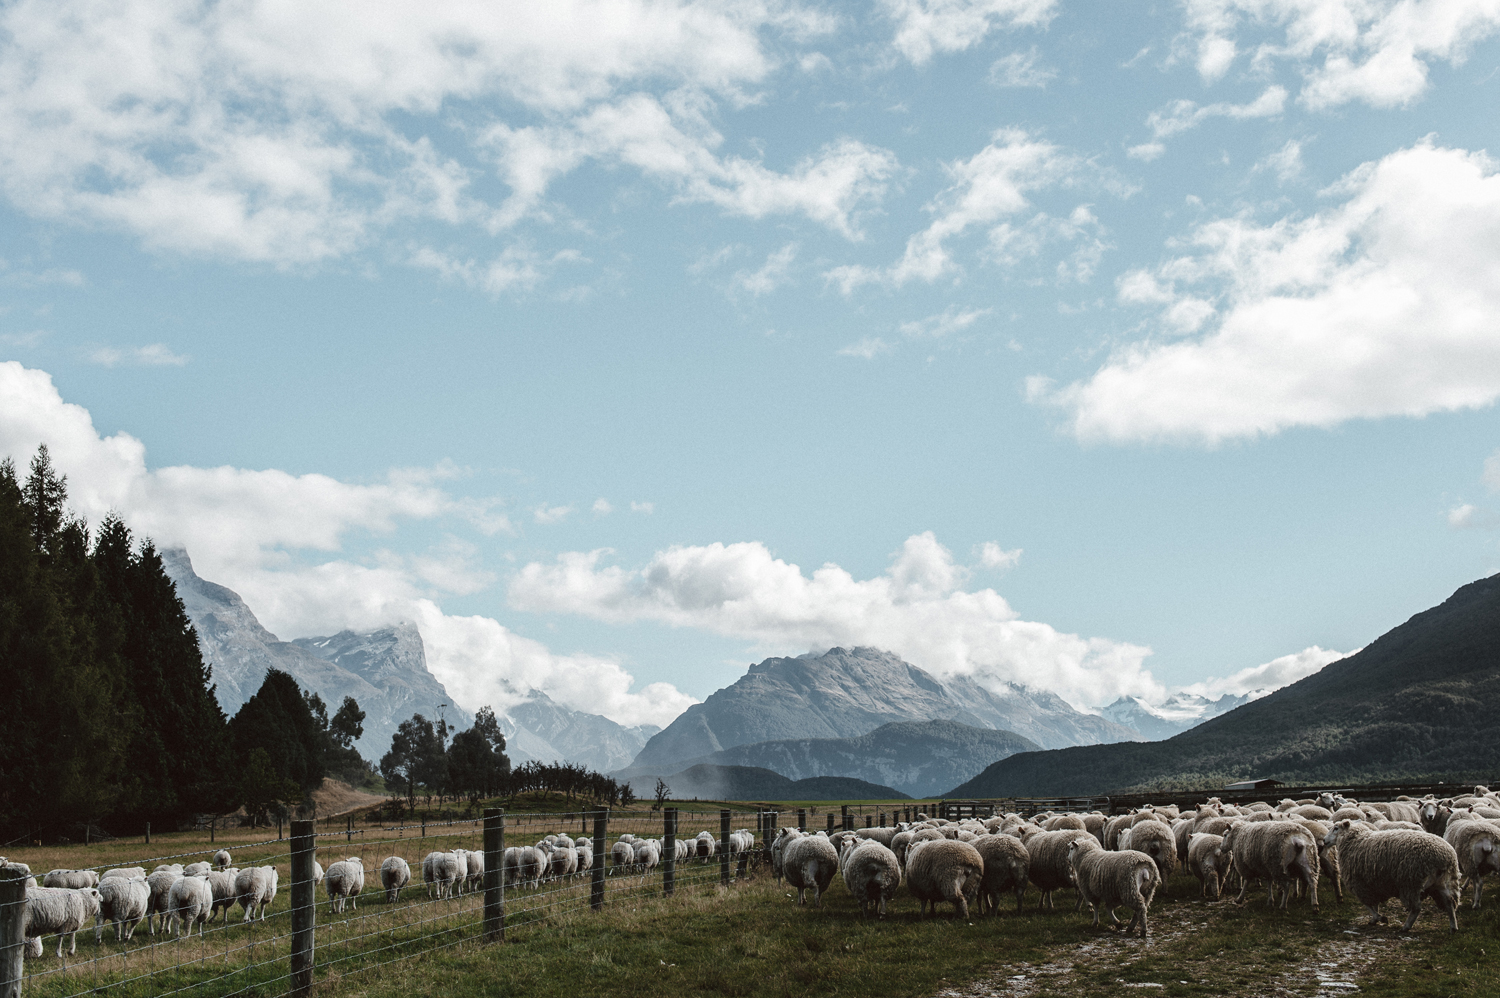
1405, 849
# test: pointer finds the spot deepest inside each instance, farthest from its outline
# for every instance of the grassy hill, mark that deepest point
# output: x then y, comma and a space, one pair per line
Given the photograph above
1422, 702
711, 782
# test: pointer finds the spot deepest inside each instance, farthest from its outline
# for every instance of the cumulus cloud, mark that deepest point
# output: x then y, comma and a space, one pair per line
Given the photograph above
603, 507
1375, 51
1021, 69
294, 134
925, 27
249, 529
642, 507
151, 355
867, 349
1182, 115
992, 555
771, 275
951, 320
1272, 675
918, 608
1383, 304
548, 515
1285, 162
985, 189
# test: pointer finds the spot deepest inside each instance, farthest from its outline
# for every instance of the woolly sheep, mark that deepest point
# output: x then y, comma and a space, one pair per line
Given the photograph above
872, 875
707, 847
647, 855
160, 881
197, 869
1050, 869
948, 871
124, 873
73, 879
1007, 866
778, 848
255, 889
122, 902
190, 901
900, 842
1477, 844
809, 861
585, 851
317, 873
1113, 827
395, 873
1063, 821
1399, 863
1208, 862
221, 885
522, 864
1328, 857
222, 860
1280, 852
622, 856
1314, 812
564, 861
57, 910
1093, 823
346, 878
1157, 841
1108, 879
880, 834
460, 870
439, 872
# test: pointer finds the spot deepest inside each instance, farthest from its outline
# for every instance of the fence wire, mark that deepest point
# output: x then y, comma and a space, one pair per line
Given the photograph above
232, 953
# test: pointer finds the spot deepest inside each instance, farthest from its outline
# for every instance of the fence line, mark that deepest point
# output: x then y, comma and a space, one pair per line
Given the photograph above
288, 947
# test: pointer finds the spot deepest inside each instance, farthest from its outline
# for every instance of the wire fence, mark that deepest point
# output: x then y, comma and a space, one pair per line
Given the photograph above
306, 932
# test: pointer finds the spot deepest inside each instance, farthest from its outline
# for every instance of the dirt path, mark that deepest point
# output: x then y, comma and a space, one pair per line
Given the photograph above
335, 798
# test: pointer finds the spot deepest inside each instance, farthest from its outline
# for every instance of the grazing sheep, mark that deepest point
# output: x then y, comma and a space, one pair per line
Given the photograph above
522, 864
124, 873
460, 870
1281, 852
622, 854
809, 861
1313, 812
900, 842
168, 868
72, 879
1328, 856
1050, 869
1107, 879
707, 847
317, 873
122, 902
880, 834
778, 848
59, 910
197, 869
439, 873
1208, 862
222, 860
221, 885
1063, 821
1007, 866
585, 851
346, 878
190, 901
255, 889
647, 855
1157, 841
1477, 844
564, 861
1398, 863
1113, 827
950, 871
395, 873
872, 875
160, 881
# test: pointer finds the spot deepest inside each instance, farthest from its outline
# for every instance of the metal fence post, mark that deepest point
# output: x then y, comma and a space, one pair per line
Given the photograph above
12, 930
494, 874
724, 847
802, 819
596, 887
304, 905
669, 849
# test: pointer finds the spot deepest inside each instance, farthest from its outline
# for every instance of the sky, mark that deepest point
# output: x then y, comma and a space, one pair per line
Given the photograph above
1113, 349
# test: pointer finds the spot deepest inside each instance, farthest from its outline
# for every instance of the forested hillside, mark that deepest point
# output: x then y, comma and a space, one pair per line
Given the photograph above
1421, 703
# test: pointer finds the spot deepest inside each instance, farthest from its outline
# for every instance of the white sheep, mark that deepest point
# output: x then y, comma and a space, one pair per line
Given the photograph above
124, 873
197, 869
122, 902
1156, 840
647, 855
344, 880
523, 864
621, 854
1207, 860
222, 860
1050, 868
778, 849
564, 861
1107, 879
161, 881
1477, 844
1283, 853
395, 874
73, 879
872, 875
439, 873
317, 873
585, 850
189, 901
222, 884
475, 880
460, 870
947, 870
706, 846
255, 889
1007, 868
1398, 863
59, 910
809, 861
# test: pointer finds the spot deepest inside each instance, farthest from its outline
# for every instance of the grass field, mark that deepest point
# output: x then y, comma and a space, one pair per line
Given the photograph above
752, 940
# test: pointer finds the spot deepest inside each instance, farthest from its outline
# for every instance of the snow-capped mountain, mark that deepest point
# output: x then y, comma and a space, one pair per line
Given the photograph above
1174, 715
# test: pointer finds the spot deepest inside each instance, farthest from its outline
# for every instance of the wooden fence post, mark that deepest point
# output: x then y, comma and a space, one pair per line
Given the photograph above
669, 849
596, 886
148, 833
304, 905
802, 819
724, 847
494, 874
12, 930
830, 822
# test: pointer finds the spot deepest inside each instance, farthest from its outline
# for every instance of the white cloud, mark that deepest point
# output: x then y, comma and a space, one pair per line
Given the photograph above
245, 529
1464, 515
151, 355
951, 320
548, 515
1182, 115
917, 609
868, 348
771, 275
1285, 162
298, 133
1375, 51
603, 507
992, 555
1021, 69
1146, 151
642, 507
1272, 675
1383, 304
925, 27
987, 187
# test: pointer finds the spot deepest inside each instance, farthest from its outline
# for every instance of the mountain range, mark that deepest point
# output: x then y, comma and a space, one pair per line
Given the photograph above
1420, 703
1174, 715
709, 782
386, 671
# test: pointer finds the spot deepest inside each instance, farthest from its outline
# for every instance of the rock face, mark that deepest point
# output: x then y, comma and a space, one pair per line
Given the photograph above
547, 731
846, 693
1174, 715
385, 670
917, 758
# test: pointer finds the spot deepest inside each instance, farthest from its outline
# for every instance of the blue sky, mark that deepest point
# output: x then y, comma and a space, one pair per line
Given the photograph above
1108, 348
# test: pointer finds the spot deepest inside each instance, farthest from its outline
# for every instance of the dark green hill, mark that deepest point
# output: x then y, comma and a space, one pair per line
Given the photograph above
1422, 702
754, 783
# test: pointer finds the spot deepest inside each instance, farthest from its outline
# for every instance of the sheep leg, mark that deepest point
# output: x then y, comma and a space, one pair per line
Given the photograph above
1478, 887
961, 905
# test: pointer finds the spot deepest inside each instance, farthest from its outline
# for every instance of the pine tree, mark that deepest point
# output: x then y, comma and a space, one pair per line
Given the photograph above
46, 497
279, 719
